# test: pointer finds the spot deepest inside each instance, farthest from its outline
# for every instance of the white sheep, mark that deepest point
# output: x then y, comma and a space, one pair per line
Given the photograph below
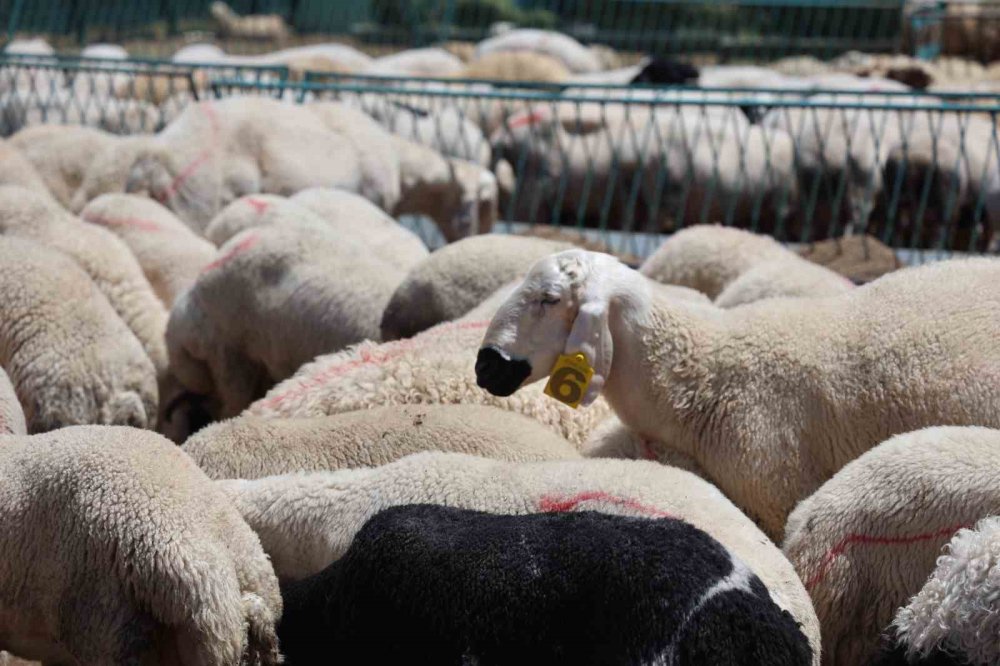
792, 277
250, 447
105, 170
104, 257
17, 169
306, 521
351, 215
62, 155
867, 539
435, 367
733, 266
446, 129
266, 27
955, 615
646, 169
461, 197
216, 151
70, 358
274, 298
577, 57
426, 62
11, 415
90, 102
771, 398
518, 66
613, 439
344, 214
117, 549
170, 254
458, 277
104, 52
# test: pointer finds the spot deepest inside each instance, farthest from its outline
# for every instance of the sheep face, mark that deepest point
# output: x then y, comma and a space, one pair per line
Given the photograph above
560, 308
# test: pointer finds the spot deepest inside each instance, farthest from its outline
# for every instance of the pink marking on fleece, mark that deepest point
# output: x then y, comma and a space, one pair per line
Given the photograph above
237, 249
553, 504
134, 222
368, 356
203, 157
259, 205
868, 540
525, 119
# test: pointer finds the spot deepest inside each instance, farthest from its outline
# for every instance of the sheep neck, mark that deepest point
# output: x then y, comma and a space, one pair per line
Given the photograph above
660, 376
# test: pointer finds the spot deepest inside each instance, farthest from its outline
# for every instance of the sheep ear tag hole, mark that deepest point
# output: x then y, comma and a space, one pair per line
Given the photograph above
569, 380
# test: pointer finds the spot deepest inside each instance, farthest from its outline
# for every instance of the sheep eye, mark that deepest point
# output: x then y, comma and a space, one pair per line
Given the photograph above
550, 300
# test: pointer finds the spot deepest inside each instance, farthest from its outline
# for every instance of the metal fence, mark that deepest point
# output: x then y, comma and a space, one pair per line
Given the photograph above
736, 29
123, 97
917, 171
625, 164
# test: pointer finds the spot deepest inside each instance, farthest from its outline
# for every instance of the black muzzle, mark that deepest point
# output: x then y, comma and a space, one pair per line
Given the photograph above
498, 375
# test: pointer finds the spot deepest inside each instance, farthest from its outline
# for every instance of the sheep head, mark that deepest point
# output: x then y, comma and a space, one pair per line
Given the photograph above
476, 208
561, 308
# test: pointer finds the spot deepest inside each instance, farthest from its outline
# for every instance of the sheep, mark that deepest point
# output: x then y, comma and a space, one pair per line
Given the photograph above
457, 278
161, 88
345, 214
953, 619
217, 151
416, 62
612, 439
461, 197
772, 398
517, 66
732, 266
954, 158
351, 215
71, 360
104, 52
665, 71
264, 27
867, 539
61, 156
792, 277
117, 549
577, 58
250, 447
459, 586
229, 334
105, 169
170, 254
11, 415
104, 257
860, 258
642, 170
435, 367
309, 520
445, 129
17, 169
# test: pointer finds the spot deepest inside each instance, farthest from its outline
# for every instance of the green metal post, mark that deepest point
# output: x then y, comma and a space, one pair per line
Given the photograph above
15, 19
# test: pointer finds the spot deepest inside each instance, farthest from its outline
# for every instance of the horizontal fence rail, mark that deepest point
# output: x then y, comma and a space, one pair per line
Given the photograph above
624, 164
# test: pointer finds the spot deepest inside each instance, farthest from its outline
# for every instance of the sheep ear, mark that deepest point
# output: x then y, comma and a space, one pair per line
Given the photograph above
592, 336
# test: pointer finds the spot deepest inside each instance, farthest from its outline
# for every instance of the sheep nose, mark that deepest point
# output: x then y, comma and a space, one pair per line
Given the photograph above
498, 375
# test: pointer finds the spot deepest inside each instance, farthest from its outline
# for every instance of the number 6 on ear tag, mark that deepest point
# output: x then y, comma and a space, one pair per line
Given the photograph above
569, 379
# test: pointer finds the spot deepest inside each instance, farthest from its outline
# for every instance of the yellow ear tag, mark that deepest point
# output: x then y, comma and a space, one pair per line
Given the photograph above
569, 379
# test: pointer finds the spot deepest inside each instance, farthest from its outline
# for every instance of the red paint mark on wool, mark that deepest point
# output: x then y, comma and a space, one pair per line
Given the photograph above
647, 449
867, 540
368, 355
236, 250
525, 119
553, 504
203, 157
259, 205
133, 222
